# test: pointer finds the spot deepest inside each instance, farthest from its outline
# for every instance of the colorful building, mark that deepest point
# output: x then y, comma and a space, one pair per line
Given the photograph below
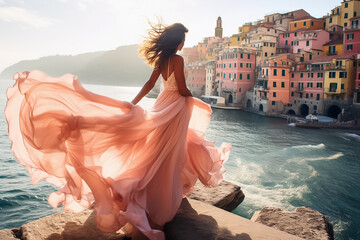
282, 22
307, 23
196, 79
352, 37
210, 78
333, 47
234, 73
286, 41
311, 40
306, 88
342, 14
339, 78
276, 72
190, 54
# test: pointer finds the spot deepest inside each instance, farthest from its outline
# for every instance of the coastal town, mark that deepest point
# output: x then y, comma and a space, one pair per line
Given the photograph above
285, 64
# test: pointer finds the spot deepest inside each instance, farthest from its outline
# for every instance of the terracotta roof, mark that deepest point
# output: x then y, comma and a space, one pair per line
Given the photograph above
333, 42
329, 58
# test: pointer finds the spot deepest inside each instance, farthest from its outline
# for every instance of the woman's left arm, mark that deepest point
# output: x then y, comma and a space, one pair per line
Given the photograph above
147, 86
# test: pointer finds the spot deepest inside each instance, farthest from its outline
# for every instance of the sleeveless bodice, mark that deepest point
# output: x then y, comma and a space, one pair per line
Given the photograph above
170, 83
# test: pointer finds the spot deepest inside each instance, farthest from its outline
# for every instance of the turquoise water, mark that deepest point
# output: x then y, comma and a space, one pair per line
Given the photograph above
274, 163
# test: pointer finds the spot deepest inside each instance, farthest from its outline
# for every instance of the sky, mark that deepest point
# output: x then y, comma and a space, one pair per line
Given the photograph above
30, 29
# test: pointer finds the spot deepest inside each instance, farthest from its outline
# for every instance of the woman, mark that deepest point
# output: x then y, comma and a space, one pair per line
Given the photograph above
136, 165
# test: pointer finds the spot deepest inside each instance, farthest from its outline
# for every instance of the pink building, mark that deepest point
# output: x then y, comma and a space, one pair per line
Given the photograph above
307, 88
357, 78
311, 40
196, 79
286, 40
190, 54
352, 37
235, 73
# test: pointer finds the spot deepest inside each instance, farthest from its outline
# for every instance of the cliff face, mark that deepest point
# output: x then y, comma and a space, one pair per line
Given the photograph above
121, 66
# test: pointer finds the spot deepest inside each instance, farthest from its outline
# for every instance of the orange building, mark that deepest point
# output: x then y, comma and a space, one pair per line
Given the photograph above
307, 23
277, 70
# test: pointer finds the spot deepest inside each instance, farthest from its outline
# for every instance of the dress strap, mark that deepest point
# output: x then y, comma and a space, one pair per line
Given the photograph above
168, 70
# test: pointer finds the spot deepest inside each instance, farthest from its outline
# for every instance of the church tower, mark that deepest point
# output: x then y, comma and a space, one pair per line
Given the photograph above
218, 29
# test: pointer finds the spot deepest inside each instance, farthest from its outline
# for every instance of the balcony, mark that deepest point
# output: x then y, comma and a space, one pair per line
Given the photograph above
334, 91
263, 77
335, 68
299, 89
332, 53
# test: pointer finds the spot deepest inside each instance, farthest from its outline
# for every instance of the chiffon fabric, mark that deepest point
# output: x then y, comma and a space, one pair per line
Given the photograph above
133, 163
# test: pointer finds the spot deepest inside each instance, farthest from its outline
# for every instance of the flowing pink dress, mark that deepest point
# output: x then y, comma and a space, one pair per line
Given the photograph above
133, 163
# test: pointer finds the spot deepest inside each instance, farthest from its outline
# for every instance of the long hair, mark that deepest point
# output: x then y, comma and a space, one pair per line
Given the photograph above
162, 42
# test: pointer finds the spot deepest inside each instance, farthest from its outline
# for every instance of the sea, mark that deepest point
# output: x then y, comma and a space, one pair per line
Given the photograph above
274, 163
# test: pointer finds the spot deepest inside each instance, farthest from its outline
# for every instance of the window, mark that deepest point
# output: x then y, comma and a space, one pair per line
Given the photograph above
234, 76
346, 5
307, 95
311, 95
330, 20
239, 89
248, 76
295, 25
229, 75
346, 15
312, 23
345, 24
333, 87
274, 84
292, 84
292, 75
229, 65
274, 94
342, 86
350, 36
224, 75
240, 76
301, 75
265, 54
286, 42
248, 56
282, 72
241, 56
349, 47
300, 95
332, 74
282, 84
355, 14
292, 94
273, 103
343, 75
317, 96
307, 43
295, 34
275, 72
241, 65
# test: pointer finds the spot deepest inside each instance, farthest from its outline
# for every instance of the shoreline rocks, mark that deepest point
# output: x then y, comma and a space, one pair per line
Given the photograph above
303, 222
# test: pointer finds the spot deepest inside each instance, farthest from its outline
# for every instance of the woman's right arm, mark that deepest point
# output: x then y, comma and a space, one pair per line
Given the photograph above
180, 77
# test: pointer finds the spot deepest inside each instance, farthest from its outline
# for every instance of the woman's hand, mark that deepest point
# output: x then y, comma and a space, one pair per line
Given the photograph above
147, 86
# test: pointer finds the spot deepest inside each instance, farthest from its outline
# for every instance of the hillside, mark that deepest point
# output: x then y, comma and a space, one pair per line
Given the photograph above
121, 66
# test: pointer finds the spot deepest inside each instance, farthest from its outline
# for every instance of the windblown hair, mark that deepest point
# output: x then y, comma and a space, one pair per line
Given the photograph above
162, 42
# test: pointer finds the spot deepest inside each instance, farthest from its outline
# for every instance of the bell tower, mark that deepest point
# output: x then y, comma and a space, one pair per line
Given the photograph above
218, 29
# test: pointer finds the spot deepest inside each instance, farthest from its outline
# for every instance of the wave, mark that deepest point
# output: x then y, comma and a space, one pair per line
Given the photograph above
351, 137
319, 146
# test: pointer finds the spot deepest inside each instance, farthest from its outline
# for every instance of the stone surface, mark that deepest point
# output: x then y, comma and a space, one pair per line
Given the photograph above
7, 234
303, 222
226, 196
66, 226
201, 221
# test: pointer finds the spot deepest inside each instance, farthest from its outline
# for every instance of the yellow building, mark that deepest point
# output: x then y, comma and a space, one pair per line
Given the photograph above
246, 28
339, 79
334, 47
236, 40
341, 15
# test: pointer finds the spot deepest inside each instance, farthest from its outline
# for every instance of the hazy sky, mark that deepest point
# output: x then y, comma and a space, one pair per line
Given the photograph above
30, 29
